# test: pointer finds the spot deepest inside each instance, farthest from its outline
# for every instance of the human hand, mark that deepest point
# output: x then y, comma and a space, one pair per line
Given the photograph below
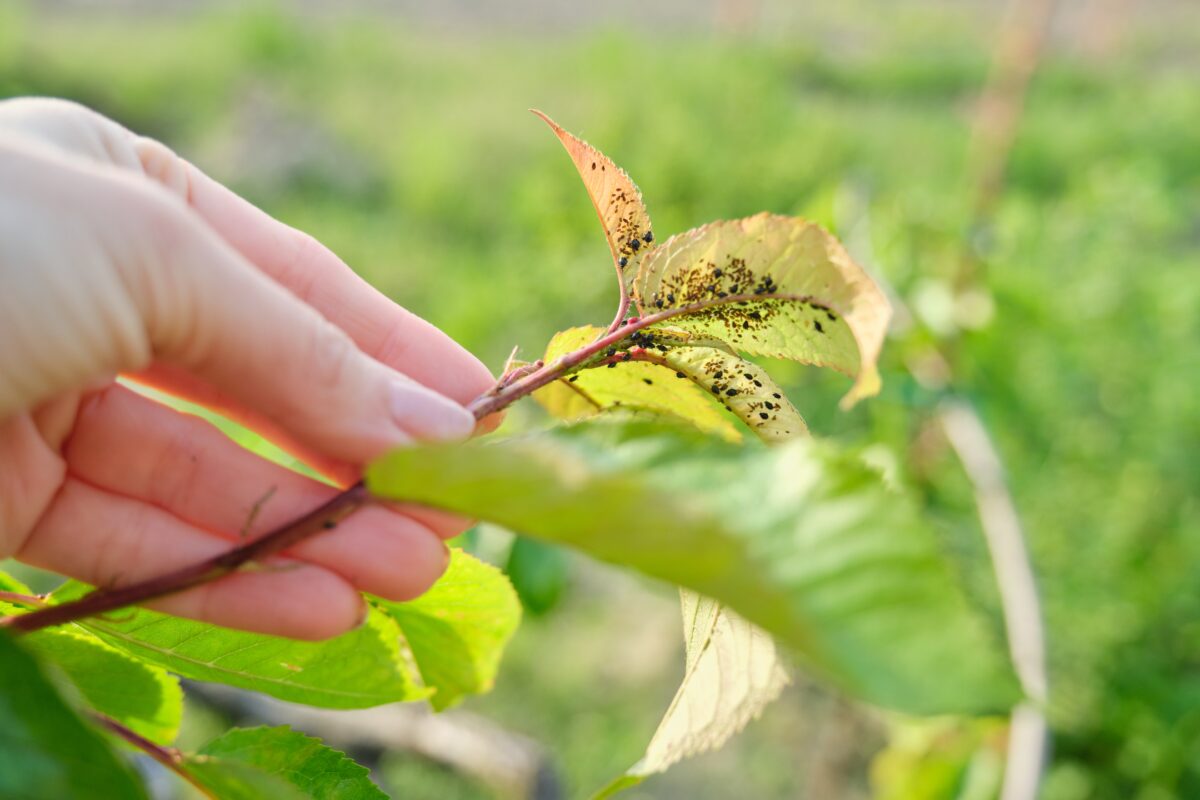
118, 257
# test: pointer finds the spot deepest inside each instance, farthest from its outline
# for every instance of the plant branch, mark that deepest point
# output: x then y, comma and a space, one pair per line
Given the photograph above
169, 757
1028, 734
568, 363
327, 516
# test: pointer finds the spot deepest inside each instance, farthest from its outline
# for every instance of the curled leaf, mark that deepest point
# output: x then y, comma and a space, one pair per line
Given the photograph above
632, 385
617, 199
802, 297
741, 386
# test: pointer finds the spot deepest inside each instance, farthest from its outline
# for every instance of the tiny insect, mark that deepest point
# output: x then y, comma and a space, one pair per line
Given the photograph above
680, 375
647, 381
622, 261
613, 364
658, 303
817, 325
731, 392
763, 415
777, 395
634, 244
670, 298
717, 272
719, 374
572, 379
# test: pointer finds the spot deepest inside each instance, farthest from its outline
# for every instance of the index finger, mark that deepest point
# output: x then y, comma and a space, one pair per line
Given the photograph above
380, 327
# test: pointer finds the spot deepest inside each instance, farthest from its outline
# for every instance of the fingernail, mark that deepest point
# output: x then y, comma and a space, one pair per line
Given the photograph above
429, 416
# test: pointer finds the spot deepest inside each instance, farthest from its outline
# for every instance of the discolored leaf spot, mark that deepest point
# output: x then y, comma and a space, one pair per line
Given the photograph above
744, 387
793, 293
595, 390
617, 200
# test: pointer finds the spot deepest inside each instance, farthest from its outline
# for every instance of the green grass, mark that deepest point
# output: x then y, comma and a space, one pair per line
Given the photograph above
410, 153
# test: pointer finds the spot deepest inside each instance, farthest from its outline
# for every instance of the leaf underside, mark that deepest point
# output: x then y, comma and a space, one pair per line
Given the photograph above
800, 539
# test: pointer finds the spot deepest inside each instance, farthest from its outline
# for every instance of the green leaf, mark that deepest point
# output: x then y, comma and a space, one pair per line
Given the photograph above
457, 630
140, 696
233, 780
733, 672
633, 386
538, 572
617, 200
362, 668
46, 751
306, 766
808, 301
800, 539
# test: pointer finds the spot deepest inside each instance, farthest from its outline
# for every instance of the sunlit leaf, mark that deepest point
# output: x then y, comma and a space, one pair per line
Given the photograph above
305, 766
138, 695
742, 386
362, 668
45, 750
800, 539
806, 299
733, 672
457, 631
617, 200
632, 385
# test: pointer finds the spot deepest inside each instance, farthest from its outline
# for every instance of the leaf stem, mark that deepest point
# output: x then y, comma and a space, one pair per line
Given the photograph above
23, 599
169, 757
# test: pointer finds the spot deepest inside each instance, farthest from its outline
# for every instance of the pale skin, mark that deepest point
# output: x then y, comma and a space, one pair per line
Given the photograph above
117, 257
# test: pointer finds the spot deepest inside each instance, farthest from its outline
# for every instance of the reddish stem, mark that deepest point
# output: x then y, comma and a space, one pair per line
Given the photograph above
169, 757
347, 502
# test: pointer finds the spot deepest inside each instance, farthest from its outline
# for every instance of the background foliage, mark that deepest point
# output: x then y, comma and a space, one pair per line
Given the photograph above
399, 138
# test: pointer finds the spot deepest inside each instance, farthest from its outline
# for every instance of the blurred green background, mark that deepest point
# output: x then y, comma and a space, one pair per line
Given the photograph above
397, 134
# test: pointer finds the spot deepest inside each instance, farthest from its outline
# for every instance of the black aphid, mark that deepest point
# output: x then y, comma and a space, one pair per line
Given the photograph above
622, 261
817, 325
731, 392
648, 236
718, 375
670, 298
763, 415
777, 396
717, 272
647, 381
749, 377
680, 375
613, 364
329, 524
634, 244
572, 379
610, 352
758, 384
658, 303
